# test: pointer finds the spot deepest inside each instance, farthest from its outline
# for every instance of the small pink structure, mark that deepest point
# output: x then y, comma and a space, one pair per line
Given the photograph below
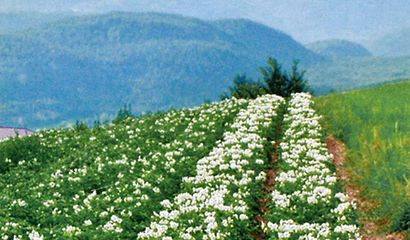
8, 132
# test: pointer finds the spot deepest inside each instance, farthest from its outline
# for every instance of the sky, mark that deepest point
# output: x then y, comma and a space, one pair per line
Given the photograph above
305, 20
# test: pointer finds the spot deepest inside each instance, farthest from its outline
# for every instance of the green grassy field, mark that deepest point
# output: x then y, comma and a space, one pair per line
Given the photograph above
375, 125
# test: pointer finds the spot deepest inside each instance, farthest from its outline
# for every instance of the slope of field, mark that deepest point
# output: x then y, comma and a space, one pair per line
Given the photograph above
87, 180
375, 126
90, 66
187, 174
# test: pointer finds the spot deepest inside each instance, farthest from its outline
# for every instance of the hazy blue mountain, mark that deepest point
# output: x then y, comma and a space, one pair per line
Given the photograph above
396, 43
338, 48
356, 72
88, 66
306, 20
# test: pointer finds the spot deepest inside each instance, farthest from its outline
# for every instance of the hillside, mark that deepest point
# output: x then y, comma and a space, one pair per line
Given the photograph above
393, 44
338, 48
199, 173
374, 124
90, 66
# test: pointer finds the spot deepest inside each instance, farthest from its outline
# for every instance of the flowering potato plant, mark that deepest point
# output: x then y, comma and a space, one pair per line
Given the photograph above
106, 182
307, 202
185, 174
216, 202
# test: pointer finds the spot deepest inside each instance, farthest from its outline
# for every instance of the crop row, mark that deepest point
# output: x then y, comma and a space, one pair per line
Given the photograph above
307, 202
185, 174
106, 181
218, 202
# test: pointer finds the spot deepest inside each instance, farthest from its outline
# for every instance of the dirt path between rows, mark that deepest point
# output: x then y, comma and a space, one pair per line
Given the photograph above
338, 149
267, 188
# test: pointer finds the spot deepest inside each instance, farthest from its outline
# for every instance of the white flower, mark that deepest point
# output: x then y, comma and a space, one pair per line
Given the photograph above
259, 161
88, 222
48, 203
116, 219
71, 230
35, 235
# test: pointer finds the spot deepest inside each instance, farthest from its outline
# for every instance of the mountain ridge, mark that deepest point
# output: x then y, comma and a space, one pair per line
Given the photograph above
167, 61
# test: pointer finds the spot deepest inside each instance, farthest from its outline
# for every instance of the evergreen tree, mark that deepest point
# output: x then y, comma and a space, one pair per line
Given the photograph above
275, 80
297, 83
245, 87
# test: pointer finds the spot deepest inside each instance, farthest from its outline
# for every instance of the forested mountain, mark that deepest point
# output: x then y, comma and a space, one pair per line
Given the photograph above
90, 66
338, 48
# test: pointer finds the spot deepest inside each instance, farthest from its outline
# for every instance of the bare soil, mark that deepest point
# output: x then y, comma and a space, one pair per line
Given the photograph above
267, 187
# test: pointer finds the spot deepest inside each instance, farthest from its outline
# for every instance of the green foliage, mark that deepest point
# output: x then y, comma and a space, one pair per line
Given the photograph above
275, 81
297, 81
124, 113
273, 77
58, 178
80, 126
17, 150
299, 176
374, 125
279, 82
403, 223
244, 87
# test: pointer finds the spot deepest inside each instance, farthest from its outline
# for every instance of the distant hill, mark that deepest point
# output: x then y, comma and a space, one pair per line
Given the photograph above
356, 72
350, 66
393, 44
338, 48
90, 66
305, 20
